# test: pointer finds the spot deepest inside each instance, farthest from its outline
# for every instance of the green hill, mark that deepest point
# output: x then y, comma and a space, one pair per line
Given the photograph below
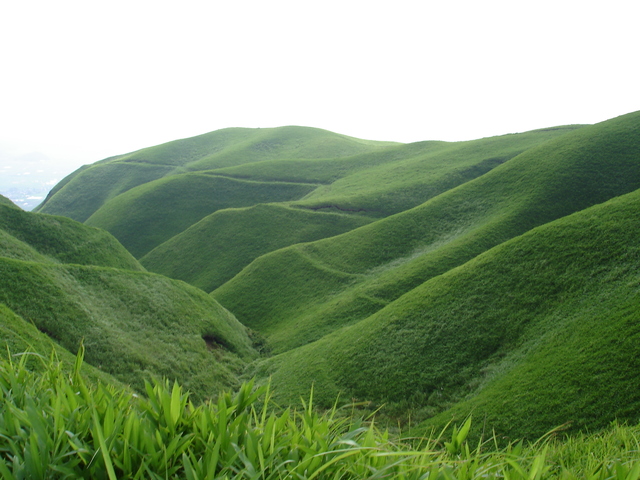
378, 183
58, 275
145, 198
26, 236
86, 190
5, 201
297, 295
536, 332
147, 216
219, 246
19, 337
496, 277
396, 186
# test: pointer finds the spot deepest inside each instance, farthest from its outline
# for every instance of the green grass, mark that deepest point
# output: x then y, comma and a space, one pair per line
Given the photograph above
537, 332
87, 190
149, 215
495, 278
17, 335
83, 192
135, 325
328, 170
55, 425
290, 142
218, 247
136, 196
75, 282
38, 237
355, 274
403, 184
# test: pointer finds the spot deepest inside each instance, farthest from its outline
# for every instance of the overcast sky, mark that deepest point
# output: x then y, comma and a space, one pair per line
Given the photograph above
84, 80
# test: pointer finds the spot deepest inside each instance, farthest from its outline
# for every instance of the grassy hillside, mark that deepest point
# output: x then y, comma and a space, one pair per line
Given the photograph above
397, 178
378, 183
299, 294
219, 246
87, 189
135, 325
290, 142
38, 237
496, 277
149, 215
58, 275
536, 332
397, 186
5, 201
20, 338
83, 192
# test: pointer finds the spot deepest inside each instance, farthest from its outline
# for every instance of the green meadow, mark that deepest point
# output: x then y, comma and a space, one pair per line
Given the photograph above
295, 303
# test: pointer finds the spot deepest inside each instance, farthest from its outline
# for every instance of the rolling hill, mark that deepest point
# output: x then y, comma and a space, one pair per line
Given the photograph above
297, 295
48, 238
495, 277
86, 190
536, 332
308, 168
78, 284
233, 238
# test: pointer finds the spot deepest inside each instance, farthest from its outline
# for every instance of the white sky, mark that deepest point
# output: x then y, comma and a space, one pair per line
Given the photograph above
84, 80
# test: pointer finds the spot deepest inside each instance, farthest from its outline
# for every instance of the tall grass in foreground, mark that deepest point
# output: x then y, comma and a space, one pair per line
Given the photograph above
54, 425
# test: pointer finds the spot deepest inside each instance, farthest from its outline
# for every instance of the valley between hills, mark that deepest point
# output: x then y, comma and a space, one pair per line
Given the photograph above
498, 277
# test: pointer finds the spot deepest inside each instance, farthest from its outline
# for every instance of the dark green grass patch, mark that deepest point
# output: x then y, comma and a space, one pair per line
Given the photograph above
218, 247
149, 215
11, 247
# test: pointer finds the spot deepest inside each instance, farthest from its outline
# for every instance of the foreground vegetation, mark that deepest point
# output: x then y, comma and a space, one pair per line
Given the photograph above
56, 425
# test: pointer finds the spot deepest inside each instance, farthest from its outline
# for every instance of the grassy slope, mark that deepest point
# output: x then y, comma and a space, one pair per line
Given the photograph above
397, 178
83, 192
87, 189
18, 337
358, 273
147, 216
135, 325
327, 170
58, 275
40, 237
287, 143
397, 186
374, 178
215, 249
5, 201
538, 331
